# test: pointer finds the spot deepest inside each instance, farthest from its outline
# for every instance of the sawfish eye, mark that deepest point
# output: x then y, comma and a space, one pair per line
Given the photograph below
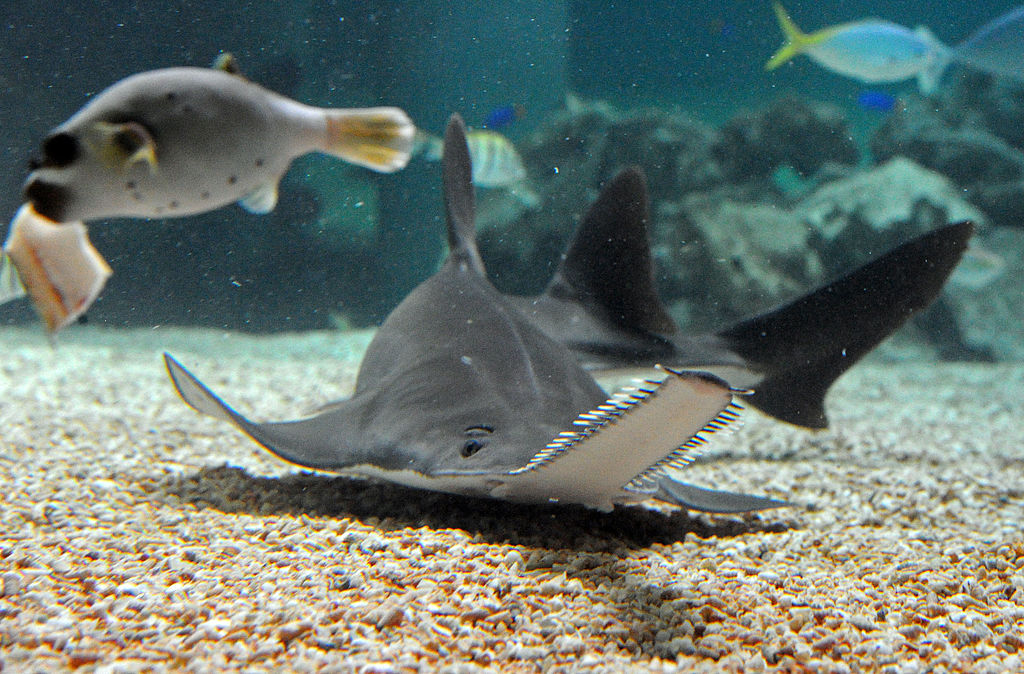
477, 440
471, 447
60, 150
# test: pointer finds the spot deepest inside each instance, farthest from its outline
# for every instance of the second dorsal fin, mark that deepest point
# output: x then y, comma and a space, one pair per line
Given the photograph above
608, 266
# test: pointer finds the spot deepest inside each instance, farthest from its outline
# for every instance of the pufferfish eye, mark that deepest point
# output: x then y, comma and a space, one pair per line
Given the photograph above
130, 138
60, 150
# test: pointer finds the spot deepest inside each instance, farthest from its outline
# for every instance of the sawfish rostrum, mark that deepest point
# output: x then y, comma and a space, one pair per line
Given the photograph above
460, 392
179, 141
602, 304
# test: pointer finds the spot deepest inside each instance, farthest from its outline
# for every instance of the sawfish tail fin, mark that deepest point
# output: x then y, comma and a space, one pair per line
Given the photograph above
381, 139
805, 345
459, 200
796, 42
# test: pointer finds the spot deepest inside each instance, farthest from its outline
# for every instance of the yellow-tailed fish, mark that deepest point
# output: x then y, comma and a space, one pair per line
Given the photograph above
869, 50
180, 141
57, 266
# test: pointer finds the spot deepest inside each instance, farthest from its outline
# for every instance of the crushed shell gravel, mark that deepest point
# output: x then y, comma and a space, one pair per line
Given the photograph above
136, 536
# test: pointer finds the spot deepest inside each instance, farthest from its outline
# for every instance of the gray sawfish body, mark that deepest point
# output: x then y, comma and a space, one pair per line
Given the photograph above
469, 391
460, 392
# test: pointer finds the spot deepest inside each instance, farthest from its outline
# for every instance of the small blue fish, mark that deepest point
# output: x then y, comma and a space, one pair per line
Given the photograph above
504, 116
720, 28
877, 101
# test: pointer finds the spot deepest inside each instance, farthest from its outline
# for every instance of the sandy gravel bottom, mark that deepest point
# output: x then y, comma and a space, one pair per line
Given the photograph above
136, 535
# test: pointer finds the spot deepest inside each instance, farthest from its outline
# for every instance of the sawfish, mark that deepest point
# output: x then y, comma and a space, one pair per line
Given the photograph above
602, 303
459, 391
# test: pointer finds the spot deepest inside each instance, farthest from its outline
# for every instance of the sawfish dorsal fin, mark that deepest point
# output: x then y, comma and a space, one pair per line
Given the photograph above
608, 266
459, 202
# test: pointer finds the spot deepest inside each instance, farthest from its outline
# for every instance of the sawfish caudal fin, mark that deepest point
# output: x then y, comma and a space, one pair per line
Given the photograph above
459, 200
712, 500
803, 346
607, 267
377, 138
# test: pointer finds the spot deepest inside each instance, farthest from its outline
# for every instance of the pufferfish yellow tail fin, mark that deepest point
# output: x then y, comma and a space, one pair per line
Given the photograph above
796, 40
377, 138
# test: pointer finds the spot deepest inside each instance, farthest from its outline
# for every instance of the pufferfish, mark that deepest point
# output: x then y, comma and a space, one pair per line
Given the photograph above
170, 142
180, 141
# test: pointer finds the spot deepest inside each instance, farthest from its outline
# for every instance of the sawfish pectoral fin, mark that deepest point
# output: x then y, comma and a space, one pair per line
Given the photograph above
198, 396
308, 443
711, 500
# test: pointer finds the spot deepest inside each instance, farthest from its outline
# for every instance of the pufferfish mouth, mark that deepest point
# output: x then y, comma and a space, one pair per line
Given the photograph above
48, 199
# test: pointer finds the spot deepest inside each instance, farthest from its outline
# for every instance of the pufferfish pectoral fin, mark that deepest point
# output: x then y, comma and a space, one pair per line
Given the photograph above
261, 200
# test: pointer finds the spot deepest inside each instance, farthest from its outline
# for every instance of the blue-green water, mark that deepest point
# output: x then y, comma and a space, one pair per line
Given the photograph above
316, 259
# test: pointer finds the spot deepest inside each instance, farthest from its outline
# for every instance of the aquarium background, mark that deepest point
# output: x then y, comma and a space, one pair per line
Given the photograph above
764, 184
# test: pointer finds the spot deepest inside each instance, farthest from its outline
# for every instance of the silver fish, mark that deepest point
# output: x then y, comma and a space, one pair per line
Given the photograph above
180, 141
